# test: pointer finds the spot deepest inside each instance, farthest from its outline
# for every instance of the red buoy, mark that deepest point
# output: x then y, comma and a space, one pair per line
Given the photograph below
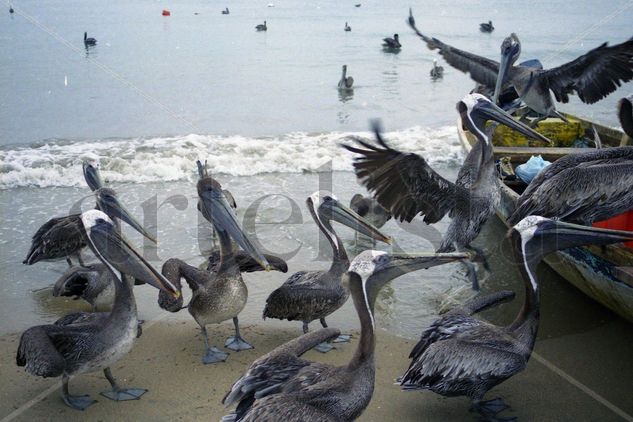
166, 12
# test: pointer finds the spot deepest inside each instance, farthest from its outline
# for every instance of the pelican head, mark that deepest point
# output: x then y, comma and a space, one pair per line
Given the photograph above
91, 175
216, 208
108, 202
325, 207
475, 110
118, 255
510, 52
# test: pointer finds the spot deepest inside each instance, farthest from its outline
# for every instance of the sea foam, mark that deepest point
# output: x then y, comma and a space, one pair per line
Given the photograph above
140, 160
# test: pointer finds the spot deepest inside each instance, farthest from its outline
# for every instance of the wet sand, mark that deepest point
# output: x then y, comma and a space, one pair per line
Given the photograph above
166, 360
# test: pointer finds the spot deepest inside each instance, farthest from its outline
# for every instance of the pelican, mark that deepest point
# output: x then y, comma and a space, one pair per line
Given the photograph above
203, 171
406, 185
262, 27
592, 76
11, 11
94, 341
625, 113
225, 11
346, 82
282, 386
392, 43
347, 27
371, 211
221, 295
437, 71
460, 355
310, 295
62, 237
89, 42
581, 188
486, 27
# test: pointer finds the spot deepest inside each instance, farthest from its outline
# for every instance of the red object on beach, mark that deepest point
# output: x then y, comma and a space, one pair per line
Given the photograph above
166, 12
619, 222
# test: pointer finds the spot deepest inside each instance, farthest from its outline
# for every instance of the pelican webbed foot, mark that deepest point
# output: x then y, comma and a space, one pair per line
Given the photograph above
323, 347
76, 402
343, 338
489, 409
237, 343
214, 355
120, 394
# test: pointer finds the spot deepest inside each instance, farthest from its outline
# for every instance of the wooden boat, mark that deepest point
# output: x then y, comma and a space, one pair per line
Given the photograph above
603, 273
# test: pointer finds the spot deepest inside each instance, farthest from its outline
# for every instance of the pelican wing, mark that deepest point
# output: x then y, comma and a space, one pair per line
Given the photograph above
268, 374
589, 192
83, 318
57, 238
456, 359
404, 183
594, 75
483, 302
481, 69
276, 408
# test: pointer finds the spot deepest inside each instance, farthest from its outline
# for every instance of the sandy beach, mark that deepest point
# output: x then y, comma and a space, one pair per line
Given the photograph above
166, 361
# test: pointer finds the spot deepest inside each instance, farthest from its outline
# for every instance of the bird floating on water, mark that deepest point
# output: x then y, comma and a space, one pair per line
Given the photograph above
437, 71
11, 11
310, 295
283, 386
87, 342
392, 43
406, 185
346, 82
460, 355
347, 27
89, 42
592, 76
486, 27
262, 27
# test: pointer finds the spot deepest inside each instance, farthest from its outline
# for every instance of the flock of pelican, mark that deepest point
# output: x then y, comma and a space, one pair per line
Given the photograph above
458, 355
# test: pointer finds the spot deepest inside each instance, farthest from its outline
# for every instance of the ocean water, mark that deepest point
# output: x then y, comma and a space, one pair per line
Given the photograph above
158, 93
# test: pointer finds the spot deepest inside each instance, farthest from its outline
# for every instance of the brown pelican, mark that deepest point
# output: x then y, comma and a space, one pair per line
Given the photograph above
221, 295
581, 188
592, 76
262, 27
89, 42
371, 211
625, 113
406, 185
392, 43
225, 11
62, 237
486, 27
310, 295
437, 71
347, 27
282, 386
346, 82
90, 342
459, 355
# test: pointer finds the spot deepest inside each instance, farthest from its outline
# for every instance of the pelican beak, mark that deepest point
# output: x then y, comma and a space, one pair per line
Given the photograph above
118, 210
115, 251
344, 215
496, 113
401, 264
568, 235
224, 219
91, 174
504, 66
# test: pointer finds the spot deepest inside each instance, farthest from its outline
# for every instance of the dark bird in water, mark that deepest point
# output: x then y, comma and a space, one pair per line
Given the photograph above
581, 188
437, 71
225, 11
591, 76
346, 82
371, 211
392, 43
282, 386
486, 27
89, 42
347, 27
262, 27
357, 4
460, 355
310, 295
407, 186
625, 113
88, 342
221, 295
11, 9
63, 237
